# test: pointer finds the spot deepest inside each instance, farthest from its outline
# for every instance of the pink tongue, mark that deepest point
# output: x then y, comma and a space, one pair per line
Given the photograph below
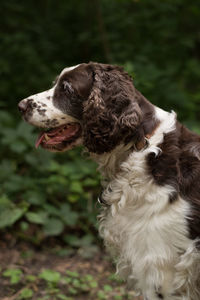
39, 139
57, 139
56, 136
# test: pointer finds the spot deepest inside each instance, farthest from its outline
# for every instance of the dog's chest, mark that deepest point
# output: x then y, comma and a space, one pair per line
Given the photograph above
140, 226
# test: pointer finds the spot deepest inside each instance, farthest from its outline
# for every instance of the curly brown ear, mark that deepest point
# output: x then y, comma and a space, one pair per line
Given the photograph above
111, 114
131, 116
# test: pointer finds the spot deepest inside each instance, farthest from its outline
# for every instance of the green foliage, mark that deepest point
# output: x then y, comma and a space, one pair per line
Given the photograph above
13, 274
157, 43
118, 297
9, 212
49, 284
49, 191
101, 295
31, 278
26, 293
107, 288
115, 278
72, 274
79, 284
50, 276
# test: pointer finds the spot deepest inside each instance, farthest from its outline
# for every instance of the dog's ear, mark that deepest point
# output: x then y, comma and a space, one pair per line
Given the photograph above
78, 80
111, 114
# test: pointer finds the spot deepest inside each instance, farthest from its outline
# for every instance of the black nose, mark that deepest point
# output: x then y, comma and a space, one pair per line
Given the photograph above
23, 105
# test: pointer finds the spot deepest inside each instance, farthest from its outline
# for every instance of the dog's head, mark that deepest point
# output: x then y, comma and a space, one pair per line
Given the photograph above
91, 104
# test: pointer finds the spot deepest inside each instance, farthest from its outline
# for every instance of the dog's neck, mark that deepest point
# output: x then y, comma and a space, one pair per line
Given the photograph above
110, 163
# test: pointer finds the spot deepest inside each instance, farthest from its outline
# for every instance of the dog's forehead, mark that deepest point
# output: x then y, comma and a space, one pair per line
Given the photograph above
66, 70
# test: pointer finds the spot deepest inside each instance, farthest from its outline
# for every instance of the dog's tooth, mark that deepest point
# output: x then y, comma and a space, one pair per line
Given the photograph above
46, 137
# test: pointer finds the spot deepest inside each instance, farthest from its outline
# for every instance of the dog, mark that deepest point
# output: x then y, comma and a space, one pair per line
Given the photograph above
150, 212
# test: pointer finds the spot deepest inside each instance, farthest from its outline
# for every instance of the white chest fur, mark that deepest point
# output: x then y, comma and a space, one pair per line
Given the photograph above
142, 229
144, 232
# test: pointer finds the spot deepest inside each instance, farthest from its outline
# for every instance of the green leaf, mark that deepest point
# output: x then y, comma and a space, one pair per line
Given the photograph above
76, 187
31, 278
93, 284
76, 283
14, 274
67, 279
73, 198
72, 291
24, 226
9, 214
87, 240
90, 182
116, 278
84, 287
51, 210
35, 197
39, 217
107, 288
26, 293
88, 277
101, 295
68, 216
53, 226
72, 240
72, 273
50, 276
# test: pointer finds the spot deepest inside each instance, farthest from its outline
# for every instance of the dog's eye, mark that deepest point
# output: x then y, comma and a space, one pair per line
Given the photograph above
67, 87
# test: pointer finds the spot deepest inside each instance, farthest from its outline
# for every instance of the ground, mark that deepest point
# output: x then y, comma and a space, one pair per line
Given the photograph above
57, 273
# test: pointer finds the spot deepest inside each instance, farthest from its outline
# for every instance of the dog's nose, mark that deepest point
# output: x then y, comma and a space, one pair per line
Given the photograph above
23, 105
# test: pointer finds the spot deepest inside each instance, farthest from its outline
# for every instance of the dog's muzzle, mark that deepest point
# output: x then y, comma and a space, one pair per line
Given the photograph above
25, 105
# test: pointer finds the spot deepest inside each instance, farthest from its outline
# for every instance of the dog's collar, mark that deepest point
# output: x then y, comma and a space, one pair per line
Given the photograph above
144, 143
141, 145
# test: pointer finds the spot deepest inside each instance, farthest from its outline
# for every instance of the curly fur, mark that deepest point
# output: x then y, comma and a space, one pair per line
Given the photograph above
146, 233
111, 112
150, 217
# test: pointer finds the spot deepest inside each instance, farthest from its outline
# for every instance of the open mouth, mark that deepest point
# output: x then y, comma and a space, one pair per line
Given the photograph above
60, 138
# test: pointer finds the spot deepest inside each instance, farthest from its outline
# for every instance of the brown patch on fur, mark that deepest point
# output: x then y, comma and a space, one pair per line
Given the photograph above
159, 295
173, 197
179, 167
51, 123
190, 178
41, 111
115, 111
164, 166
72, 88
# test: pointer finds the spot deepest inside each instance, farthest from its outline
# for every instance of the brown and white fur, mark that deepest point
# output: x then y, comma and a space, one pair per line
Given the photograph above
150, 215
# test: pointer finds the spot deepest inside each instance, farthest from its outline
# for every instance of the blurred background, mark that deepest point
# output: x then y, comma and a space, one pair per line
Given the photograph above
48, 201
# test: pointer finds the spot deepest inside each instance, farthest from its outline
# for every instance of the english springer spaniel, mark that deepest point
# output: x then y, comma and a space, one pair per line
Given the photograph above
150, 215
